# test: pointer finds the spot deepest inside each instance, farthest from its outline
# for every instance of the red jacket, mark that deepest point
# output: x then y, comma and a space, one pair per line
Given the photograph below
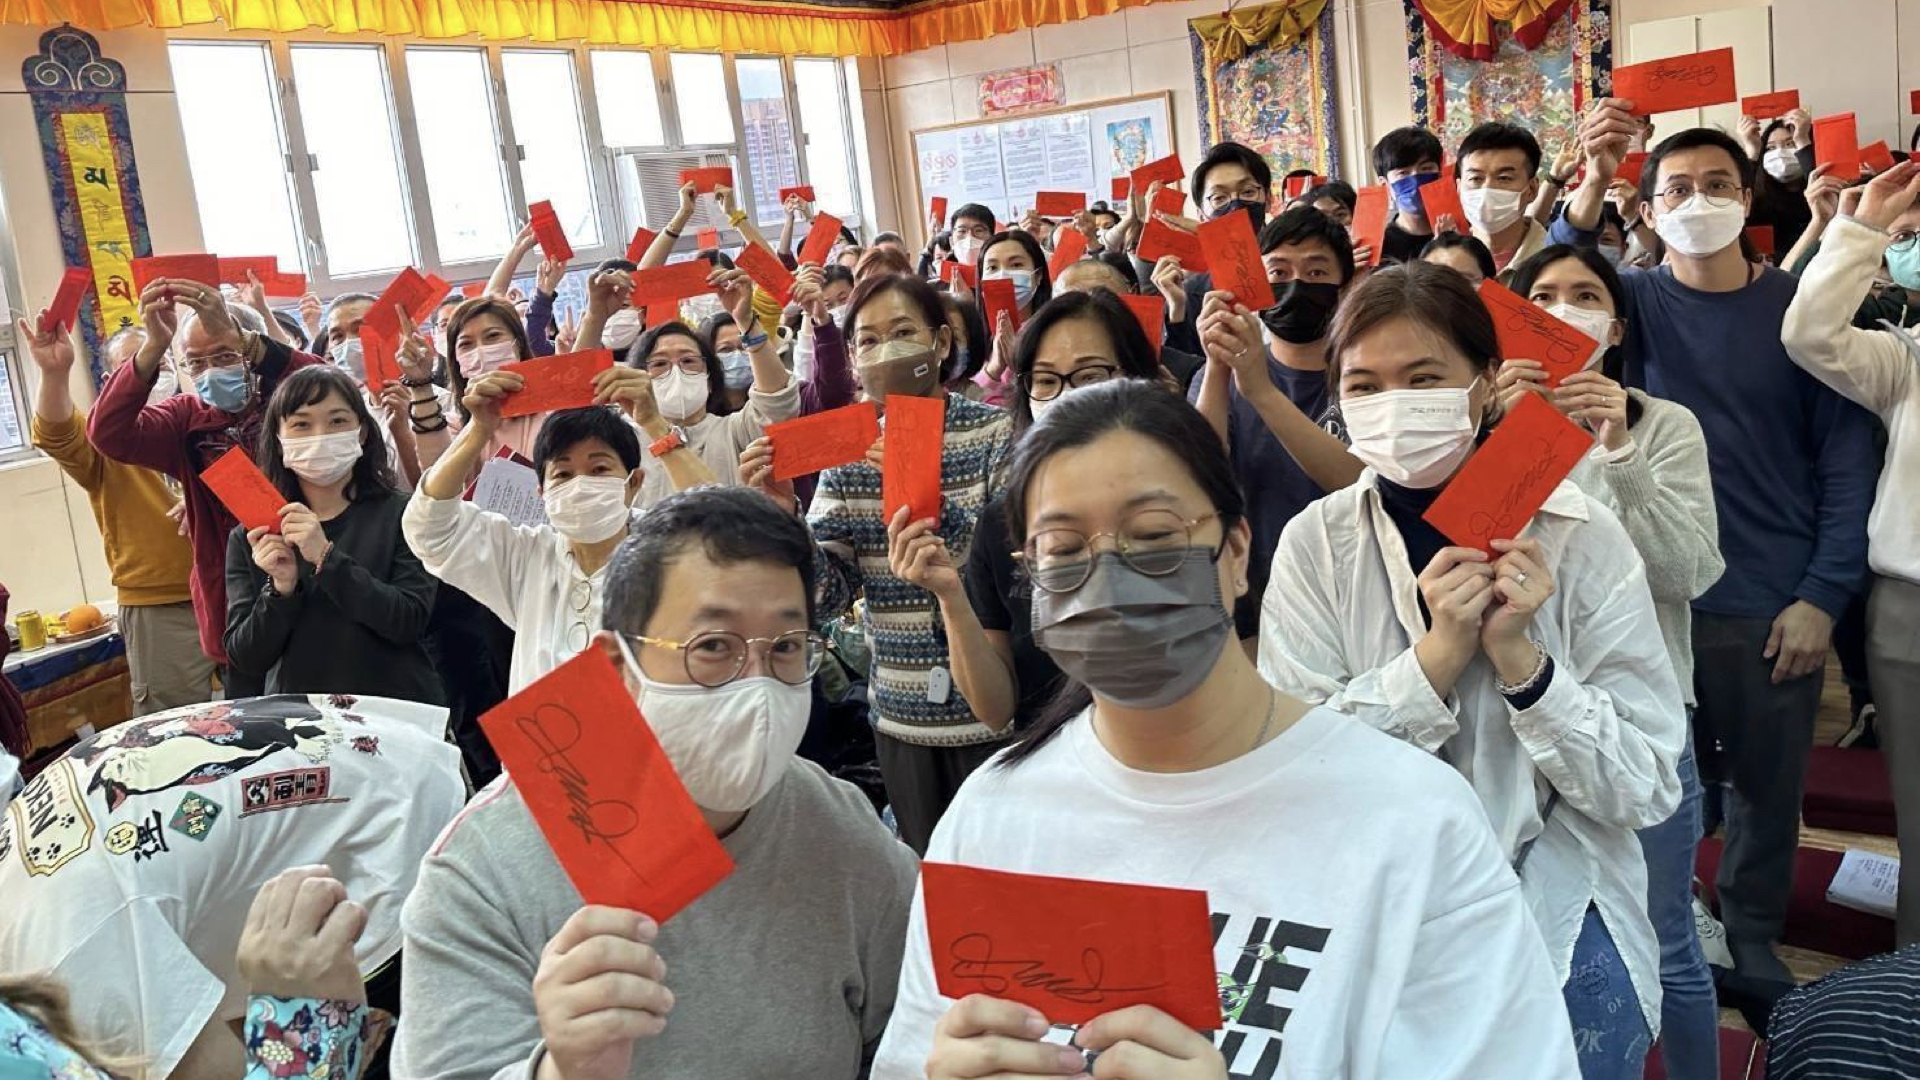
179, 437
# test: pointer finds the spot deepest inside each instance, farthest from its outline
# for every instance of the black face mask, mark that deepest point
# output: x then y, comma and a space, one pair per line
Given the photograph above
1303, 311
1255, 210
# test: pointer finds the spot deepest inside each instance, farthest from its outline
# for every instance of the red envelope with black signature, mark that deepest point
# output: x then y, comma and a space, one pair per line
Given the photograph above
1071, 948
673, 281
555, 382
822, 441
1170, 201
820, 240
1768, 106
1528, 332
996, 296
65, 307
1370, 211
204, 269
1059, 203
1677, 82
1166, 170
1159, 239
244, 490
1233, 258
1509, 478
1150, 311
767, 271
233, 269
1068, 246
910, 463
603, 792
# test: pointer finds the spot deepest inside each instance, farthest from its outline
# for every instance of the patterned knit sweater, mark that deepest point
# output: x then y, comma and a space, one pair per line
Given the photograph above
902, 621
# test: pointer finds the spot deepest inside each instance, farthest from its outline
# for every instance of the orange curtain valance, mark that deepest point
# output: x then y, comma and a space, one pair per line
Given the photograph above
1465, 27
843, 29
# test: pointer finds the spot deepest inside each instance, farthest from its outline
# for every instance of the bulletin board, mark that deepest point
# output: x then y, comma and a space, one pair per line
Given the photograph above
1000, 163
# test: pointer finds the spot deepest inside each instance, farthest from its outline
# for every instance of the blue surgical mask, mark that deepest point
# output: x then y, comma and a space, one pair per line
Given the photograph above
1022, 285
1904, 266
1613, 253
226, 389
349, 357
736, 369
1406, 192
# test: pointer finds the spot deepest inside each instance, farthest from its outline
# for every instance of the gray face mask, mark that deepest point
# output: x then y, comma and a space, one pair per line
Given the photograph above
1139, 641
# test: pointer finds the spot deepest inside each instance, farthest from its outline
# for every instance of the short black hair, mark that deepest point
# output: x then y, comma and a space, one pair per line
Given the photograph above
889, 238
1499, 135
731, 525
1126, 341
973, 211
1404, 148
1230, 153
1338, 190
835, 273
977, 343
616, 264
1467, 243
1304, 224
1693, 139
568, 428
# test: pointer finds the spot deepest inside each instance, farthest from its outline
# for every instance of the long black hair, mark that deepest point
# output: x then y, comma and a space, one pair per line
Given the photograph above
468, 311
372, 474
1147, 409
643, 346
1614, 363
1042, 276
1126, 342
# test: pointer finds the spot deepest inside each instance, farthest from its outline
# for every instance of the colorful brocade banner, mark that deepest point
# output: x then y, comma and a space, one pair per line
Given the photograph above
1277, 94
1543, 86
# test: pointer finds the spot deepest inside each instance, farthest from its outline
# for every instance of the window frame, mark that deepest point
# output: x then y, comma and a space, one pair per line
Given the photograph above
12, 350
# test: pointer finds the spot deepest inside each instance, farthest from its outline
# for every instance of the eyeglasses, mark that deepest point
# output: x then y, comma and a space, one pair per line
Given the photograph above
1251, 193
692, 364
1046, 385
1903, 240
1718, 192
196, 366
715, 658
1154, 542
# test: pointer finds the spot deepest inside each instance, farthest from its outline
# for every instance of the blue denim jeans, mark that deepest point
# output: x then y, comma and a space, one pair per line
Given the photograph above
1689, 1013
1609, 1032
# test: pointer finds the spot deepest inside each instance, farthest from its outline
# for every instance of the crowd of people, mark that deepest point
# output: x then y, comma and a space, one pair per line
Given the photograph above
1180, 619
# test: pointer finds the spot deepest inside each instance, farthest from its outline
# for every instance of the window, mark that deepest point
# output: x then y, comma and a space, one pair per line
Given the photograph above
823, 122
546, 120
629, 101
236, 150
706, 118
13, 436
460, 152
767, 133
358, 193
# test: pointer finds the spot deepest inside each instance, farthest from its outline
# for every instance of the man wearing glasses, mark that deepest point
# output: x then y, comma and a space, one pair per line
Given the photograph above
1793, 471
232, 367
787, 967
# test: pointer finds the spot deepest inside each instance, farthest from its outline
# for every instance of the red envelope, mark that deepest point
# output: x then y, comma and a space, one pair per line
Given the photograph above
473, 288
1913, 102
555, 382
1167, 170
1150, 311
1441, 197
1233, 258
707, 239
1877, 156
546, 229
1059, 203
1120, 188
707, 178
1370, 210
378, 353
820, 240
822, 441
1677, 82
1768, 106
910, 464
1170, 201
673, 282
1761, 237
204, 269
805, 191
643, 239
1631, 165
244, 490
1836, 143
283, 285
66, 300
233, 271
1298, 185
1528, 332
767, 271
936, 209
1158, 239
968, 272
417, 295
603, 791
1069, 245
996, 295
1072, 949
1508, 479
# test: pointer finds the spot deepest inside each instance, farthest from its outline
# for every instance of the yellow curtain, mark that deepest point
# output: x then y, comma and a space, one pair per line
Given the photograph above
1465, 27
1228, 37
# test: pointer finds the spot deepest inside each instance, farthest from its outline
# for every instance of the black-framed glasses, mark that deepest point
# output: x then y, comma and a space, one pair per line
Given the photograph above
715, 658
1903, 240
1153, 542
1718, 192
1046, 385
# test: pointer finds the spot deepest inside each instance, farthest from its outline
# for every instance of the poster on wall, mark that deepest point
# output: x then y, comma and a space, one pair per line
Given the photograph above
1021, 89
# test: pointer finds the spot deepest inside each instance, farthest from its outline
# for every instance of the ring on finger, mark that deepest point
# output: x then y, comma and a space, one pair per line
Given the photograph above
1520, 579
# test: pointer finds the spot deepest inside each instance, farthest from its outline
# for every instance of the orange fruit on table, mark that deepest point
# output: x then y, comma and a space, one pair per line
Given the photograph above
83, 618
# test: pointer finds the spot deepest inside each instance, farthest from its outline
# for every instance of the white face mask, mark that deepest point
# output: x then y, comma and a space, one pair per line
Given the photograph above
481, 359
838, 315
1490, 209
1698, 229
349, 357
1415, 438
1783, 164
730, 744
680, 393
965, 248
588, 509
1597, 325
622, 328
322, 459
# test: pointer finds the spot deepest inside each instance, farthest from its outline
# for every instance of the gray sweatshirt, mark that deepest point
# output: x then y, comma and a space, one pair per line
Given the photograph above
785, 969
1659, 488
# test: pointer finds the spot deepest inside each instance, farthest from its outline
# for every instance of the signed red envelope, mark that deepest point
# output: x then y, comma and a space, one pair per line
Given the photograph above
603, 792
378, 354
1159, 239
1150, 311
936, 210
996, 296
1439, 198
767, 271
547, 230
1121, 186
707, 238
910, 464
1166, 170
1059, 203
65, 307
707, 178
1677, 82
555, 382
1631, 165
1170, 201
244, 490
643, 239
673, 281
1836, 143
1761, 237
1528, 332
204, 269
1068, 246
819, 442
1768, 106
1877, 156
805, 191
1508, 479
233, 270
820, 240
1233, 258
1071, 948
1370, 210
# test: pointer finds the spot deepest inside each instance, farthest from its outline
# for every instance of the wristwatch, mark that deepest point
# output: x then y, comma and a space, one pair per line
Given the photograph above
674, 439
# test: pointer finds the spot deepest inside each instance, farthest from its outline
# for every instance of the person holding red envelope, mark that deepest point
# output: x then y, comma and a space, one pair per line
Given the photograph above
1539, 670
1784, 149
412, 410
1406, 159
709, 618
1015, 257
1352, 882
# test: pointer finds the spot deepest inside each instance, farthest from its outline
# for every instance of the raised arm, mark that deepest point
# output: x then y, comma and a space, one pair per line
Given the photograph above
662, 246
502, 278
1231, 335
